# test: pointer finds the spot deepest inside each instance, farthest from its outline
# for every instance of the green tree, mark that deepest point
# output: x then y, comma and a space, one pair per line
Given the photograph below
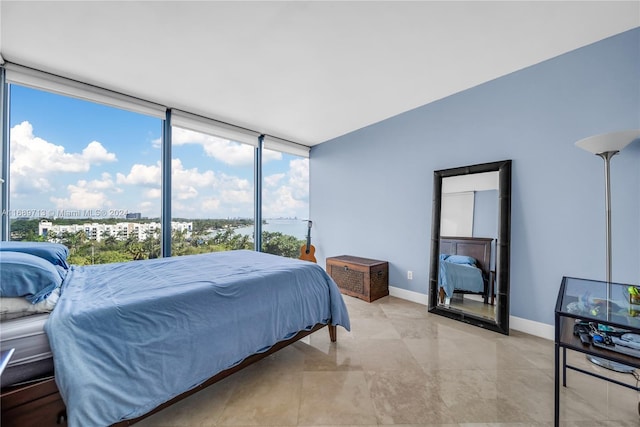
179, 244
73, 240
109, 240
25, 229
277, 243
136, 250
107, 257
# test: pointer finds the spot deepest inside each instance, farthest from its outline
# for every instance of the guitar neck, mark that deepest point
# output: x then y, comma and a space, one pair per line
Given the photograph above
308, 236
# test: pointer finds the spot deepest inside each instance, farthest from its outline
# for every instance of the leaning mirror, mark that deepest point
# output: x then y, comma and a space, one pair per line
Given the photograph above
470, 244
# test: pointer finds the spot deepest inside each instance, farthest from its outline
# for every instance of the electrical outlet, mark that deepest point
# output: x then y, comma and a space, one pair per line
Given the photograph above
410, 275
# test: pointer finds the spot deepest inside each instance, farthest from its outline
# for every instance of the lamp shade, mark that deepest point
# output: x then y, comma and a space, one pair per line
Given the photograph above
607, 142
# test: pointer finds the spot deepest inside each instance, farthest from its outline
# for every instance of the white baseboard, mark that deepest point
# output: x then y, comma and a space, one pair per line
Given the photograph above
412, 296
531, 327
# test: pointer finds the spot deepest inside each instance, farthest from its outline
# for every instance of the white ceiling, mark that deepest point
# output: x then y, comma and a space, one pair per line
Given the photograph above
302, 71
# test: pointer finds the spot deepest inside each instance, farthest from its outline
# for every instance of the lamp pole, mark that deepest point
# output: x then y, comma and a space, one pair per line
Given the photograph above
606, 146
606, 156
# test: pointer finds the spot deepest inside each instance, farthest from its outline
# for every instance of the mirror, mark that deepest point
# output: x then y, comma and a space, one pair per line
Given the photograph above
470, 244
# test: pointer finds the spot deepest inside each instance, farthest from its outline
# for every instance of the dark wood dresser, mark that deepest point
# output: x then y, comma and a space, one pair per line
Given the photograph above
364, 278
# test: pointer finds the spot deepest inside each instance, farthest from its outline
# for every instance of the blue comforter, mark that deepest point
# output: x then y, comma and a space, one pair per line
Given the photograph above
462, 277
127, 337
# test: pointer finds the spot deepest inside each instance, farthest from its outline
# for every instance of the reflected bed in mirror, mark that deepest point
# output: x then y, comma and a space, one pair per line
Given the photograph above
470, 244
465, 278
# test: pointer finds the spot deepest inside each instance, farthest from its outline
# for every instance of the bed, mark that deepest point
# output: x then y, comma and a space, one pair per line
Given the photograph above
128, 339
465, 267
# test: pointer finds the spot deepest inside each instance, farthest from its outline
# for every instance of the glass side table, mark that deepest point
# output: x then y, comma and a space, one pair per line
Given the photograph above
598, 319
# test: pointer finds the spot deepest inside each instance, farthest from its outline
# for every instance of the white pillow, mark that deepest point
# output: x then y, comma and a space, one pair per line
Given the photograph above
12, 308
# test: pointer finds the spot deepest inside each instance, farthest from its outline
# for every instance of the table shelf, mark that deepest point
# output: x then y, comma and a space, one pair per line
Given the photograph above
607, 310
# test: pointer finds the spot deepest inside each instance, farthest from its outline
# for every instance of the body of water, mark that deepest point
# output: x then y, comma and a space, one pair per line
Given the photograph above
292, 227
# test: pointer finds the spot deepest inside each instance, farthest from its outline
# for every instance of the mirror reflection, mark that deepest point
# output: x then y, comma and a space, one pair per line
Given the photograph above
468, 236
470, 244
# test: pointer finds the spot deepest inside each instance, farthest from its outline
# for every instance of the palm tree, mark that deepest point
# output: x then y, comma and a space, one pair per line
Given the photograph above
136, 250
152, 244
109, 239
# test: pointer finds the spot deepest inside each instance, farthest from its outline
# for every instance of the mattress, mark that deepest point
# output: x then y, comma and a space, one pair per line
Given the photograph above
32, 358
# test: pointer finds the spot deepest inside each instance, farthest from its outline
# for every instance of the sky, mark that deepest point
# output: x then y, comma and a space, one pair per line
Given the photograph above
71, 158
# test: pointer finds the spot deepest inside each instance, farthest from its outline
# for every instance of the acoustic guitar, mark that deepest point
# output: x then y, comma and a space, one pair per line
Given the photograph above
307, 251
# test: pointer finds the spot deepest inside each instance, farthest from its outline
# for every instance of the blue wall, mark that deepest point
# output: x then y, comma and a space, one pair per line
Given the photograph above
371, 190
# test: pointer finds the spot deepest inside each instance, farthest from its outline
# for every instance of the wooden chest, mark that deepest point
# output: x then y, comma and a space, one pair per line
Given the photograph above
364, 278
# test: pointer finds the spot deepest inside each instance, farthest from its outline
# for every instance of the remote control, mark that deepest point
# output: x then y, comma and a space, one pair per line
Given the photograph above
585, 338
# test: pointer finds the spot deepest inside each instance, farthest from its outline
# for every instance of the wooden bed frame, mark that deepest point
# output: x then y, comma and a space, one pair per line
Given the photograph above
39, 404
478, 248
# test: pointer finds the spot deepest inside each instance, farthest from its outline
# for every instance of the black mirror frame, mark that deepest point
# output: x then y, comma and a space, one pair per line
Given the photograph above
503, 245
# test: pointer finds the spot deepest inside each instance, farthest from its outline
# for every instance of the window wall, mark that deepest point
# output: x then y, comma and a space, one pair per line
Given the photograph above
85, 167
285, 203
212, 193
83, 174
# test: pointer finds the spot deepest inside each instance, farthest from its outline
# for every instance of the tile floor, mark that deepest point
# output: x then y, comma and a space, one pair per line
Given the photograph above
401, 365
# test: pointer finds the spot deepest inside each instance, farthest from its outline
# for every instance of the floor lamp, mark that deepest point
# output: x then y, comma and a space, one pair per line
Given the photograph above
606, 146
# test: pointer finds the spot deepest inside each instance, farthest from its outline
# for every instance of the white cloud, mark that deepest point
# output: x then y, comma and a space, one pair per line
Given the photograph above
210, 205
152, 193
86, 195
282, 203
146, 175
236, 196
194, 193
81, 198
299, 178
182, 178
273, 180
106, 183
186, 210
229, 152
96, 153
230, 182
228, 196
34, 160
185, 193
149, 209
269, 155
287, 195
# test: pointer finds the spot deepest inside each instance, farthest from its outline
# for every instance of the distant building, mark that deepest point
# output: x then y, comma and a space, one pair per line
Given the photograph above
121, 230
133, 215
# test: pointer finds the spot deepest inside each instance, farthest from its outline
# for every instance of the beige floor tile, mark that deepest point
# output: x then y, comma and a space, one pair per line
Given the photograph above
396, 308
586, 398
341, 356
199, 410
414, 328
359, 308
406, 397
335, 398
538, 352
263, 397
386, 355
373, 328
